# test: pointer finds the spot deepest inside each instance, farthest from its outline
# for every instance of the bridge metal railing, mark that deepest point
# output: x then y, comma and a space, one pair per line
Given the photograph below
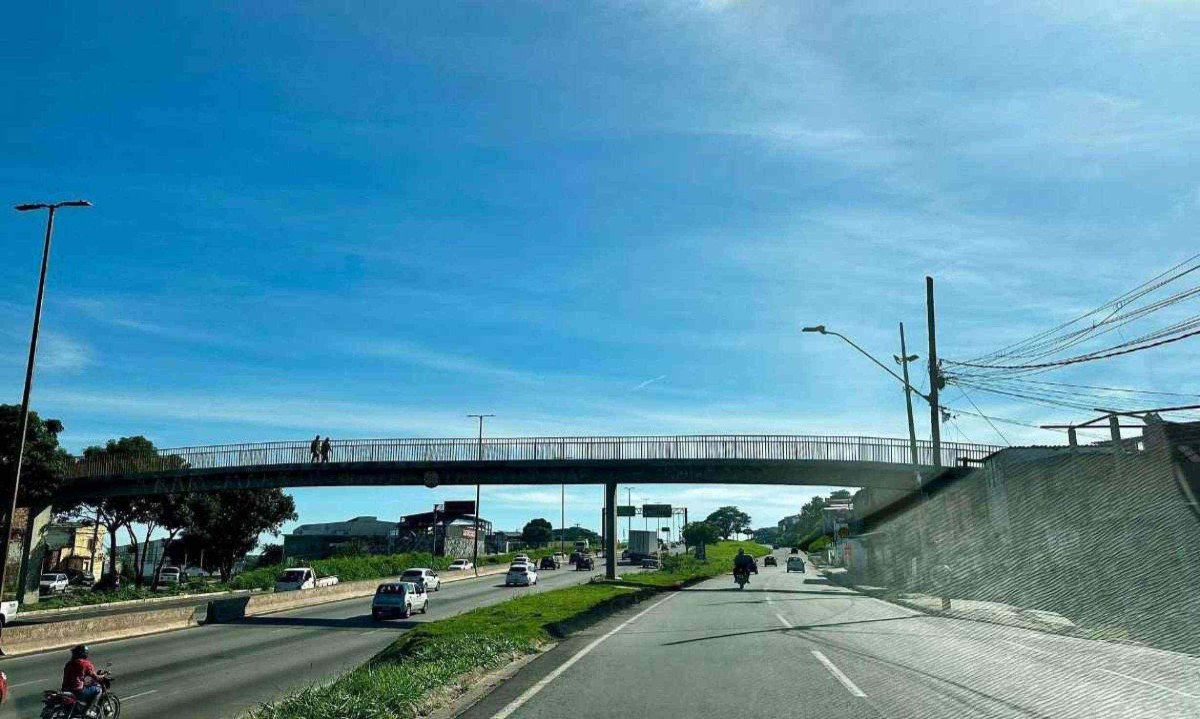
507, 449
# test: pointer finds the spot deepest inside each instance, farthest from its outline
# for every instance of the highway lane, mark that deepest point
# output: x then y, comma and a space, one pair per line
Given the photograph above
221, 670
794, 645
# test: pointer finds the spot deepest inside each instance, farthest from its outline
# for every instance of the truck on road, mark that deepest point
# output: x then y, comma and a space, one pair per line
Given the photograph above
297, 578
642, 544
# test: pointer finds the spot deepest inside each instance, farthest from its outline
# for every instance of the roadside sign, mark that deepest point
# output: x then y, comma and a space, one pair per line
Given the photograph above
627, 510
660, 511
666, 529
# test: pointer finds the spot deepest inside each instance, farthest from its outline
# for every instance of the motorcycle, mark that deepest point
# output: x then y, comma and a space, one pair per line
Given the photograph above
742, 577
65, 705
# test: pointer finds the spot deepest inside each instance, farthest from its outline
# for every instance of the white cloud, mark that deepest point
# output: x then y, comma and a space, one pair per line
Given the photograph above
59, 353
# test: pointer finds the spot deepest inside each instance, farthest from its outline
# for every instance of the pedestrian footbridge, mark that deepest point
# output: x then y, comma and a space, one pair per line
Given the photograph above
880, 462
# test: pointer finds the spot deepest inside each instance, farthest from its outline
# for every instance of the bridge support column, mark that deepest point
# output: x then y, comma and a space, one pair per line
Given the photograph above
33, 550
610, 530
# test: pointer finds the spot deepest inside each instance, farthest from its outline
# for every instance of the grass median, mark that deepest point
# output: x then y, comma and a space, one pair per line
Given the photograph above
399, 681
680, 570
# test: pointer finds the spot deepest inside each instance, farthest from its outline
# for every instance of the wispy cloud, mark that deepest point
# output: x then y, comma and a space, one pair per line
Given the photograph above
450, 363
646, 383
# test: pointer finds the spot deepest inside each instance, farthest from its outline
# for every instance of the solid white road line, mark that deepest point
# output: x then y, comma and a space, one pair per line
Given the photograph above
541, 684
1150, 684
783, 619
837, 674
139, 694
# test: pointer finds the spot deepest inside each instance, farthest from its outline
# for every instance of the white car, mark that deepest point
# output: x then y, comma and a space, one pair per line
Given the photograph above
170, 575
53, 584
520, 574
461, 565
399, 599
521, 558
423, 576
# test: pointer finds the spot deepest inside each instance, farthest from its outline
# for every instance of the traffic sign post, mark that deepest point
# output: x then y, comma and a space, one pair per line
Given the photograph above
626, 510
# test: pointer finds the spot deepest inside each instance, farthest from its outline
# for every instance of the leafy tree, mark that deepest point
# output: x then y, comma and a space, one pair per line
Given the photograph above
574, 534
766, 535
170, 512
226, 525
840, 494
44, 469
118, 513
272, 554
699, 534
729, 521
538, 532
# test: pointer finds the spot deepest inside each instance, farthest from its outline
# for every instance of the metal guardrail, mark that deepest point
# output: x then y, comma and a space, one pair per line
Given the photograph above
508, 449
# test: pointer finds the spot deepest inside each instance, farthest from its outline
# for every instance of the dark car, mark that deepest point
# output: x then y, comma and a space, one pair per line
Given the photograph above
549, 562
108, 582
574, 557
585, 562
81, 579
795, 550
770, 561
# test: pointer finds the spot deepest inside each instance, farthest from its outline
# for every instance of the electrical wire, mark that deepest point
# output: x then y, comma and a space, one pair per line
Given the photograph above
994, 429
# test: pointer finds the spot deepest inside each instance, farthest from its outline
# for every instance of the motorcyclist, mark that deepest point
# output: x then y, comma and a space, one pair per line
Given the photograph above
744, 562
81, 678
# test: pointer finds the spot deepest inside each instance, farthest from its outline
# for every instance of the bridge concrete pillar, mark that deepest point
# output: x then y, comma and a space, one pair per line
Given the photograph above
33, 550
610, 530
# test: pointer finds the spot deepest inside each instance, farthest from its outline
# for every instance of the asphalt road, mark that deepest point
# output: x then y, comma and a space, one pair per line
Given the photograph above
222, 670
792, 645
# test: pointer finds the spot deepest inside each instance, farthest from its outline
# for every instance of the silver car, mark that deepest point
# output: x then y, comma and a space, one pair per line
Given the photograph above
399, 599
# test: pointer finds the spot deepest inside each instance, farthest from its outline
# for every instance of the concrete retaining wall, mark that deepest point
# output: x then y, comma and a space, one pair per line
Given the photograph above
54, 635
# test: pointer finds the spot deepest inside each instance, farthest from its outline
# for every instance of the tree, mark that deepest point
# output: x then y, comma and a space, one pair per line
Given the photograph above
538, 532
699, 534
271, 555
729, 521
173, 513
840, 494
118, 513
574, 534
45, 467
767, 535
226, 525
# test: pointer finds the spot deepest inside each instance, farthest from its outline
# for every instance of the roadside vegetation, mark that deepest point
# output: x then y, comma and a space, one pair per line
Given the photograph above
398, 682
680, 570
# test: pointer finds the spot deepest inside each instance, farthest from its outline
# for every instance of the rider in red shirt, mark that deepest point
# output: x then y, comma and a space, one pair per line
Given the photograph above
76, 674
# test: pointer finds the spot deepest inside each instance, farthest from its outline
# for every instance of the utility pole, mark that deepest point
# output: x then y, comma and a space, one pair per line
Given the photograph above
904, 359
935, 411
629, 519
479, 457
562, 517
7, 524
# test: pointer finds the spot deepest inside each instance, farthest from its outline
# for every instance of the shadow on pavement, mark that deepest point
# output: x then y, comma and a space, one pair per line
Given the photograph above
797, 627
361, 622
816, 638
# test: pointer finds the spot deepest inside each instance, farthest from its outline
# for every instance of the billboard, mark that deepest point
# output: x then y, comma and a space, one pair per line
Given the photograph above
459, 507
626, 510
662, 511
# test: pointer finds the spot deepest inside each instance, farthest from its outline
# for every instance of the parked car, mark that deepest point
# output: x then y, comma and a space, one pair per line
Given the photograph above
170, 575
795, 564
549, 562
399, 599
520, 574
460, 565
770, 561
81, 579
423, 576
651, 563
196, 572
54, 583
585, 562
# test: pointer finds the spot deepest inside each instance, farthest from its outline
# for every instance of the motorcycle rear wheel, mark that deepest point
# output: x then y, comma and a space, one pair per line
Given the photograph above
110, 707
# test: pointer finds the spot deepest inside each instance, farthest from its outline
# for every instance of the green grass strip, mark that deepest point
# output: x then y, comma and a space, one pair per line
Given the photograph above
397, 681
680, 570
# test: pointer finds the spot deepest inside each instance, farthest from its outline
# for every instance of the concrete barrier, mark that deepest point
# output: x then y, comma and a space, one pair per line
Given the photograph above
54, 635
235, 608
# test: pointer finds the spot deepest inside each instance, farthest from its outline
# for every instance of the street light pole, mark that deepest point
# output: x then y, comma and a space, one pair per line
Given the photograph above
33, 340
479, 457
904, 359
562, 517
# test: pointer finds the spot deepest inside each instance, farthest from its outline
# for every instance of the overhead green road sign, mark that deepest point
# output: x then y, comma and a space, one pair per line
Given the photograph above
626, 510
662, 511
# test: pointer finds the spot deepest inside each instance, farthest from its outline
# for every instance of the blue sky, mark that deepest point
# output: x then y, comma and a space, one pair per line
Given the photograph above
606, 218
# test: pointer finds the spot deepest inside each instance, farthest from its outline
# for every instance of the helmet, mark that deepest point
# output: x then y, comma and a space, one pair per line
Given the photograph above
741, 551
79, 651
